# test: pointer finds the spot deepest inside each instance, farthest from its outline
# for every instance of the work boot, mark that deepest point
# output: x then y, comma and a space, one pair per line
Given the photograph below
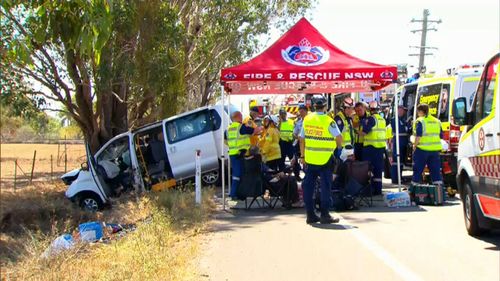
312, 218
327, 219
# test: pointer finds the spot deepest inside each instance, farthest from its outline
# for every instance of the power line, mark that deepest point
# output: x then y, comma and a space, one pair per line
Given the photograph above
423, 40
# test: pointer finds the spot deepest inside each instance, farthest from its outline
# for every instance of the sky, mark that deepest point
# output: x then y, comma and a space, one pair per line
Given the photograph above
379, 30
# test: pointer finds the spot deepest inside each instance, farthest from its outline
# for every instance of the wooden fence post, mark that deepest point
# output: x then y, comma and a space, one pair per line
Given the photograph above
15, 174
33, 167
51, 168
65, 156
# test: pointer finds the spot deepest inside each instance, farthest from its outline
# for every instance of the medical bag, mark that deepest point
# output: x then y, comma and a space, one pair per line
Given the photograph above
427, 194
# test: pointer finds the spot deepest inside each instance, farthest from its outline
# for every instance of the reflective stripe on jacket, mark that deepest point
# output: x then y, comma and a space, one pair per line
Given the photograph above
377, 135
286, 130
430, 139
235, 140
346, 131
319, 143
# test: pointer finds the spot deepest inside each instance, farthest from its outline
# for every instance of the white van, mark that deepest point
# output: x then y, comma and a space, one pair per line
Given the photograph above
478, 175
141, 157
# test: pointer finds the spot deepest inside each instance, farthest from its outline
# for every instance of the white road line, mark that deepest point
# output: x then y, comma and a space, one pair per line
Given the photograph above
404, 272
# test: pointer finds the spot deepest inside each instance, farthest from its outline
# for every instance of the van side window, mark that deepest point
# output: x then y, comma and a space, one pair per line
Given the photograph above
189, 126
216, 120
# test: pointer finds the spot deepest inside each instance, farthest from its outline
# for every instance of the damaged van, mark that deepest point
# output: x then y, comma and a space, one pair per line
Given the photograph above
154, 153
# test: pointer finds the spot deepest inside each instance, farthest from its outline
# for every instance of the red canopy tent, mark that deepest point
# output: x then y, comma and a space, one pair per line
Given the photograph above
304, 61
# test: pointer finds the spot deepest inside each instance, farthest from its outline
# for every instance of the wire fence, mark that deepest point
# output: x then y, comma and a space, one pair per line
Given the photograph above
24, 164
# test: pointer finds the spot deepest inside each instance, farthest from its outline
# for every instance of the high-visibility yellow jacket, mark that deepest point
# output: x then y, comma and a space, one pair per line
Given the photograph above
319, 143
286, 130
377, 135
431, 129
235, 140
254, 139
346, 131
269, 144
356, 123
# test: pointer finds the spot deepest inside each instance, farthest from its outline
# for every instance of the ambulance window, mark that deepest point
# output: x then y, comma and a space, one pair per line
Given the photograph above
444, 102
430, 95
489, 88
468, 91
484, 96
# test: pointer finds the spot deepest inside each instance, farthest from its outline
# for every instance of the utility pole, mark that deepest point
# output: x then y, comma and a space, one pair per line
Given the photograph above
423, 40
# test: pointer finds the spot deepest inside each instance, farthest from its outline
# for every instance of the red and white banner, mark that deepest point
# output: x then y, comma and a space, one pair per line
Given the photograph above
302, 56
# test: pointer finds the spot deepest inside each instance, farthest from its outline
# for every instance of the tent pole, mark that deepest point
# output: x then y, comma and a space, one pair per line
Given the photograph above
222, 157
229, 158
396, 110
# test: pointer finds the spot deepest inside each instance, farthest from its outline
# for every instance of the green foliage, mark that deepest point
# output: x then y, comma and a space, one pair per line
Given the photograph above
120, 64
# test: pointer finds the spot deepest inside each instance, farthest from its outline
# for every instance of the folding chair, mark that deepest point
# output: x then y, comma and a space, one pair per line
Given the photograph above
357, 182
281, 189
251, 183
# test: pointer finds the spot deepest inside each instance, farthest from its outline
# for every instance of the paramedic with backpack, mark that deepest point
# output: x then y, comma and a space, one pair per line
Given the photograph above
318, 139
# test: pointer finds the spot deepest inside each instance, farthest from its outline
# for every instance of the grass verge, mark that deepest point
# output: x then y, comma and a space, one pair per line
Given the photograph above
161, 248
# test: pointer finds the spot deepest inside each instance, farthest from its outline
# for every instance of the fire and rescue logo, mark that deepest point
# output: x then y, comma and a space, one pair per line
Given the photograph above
305, 54
386, 75
230, 76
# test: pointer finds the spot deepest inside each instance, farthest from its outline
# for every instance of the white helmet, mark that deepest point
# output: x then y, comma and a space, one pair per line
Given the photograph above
275, 119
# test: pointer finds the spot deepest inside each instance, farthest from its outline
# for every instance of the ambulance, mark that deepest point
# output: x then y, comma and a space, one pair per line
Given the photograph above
439, 92
478, 173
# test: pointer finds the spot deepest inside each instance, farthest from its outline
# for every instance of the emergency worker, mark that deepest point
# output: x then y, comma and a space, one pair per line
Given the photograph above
296, 134
269, 143
357, 121
250, 121
286, 136
427, 146
374, 133
319, 139
344, 122
238, 140
403, 143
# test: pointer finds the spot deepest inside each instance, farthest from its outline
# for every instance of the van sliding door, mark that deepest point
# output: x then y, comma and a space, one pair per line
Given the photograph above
187, 134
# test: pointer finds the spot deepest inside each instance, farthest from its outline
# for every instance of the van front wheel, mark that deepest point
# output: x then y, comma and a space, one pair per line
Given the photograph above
211, 178
90, 202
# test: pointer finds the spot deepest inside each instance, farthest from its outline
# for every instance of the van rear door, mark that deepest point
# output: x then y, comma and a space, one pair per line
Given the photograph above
185, 135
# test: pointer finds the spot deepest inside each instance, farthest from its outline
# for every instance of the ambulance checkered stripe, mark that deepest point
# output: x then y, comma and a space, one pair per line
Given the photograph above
486, 166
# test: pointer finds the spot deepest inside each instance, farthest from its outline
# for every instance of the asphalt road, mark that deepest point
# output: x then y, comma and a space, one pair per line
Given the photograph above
377, 243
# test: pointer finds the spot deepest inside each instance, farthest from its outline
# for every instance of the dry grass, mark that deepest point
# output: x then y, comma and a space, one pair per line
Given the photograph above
23, 153
162, 247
